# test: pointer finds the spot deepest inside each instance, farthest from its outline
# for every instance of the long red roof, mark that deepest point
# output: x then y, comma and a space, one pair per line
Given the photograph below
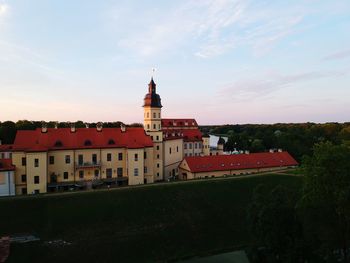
239, 161
6, 165
5, 147
188, 135
178, 123
63, 138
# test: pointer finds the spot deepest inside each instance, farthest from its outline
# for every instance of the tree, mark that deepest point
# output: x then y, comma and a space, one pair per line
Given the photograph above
325, 204
275, 226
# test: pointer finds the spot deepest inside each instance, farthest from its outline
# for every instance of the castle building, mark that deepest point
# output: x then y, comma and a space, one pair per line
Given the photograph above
52, 159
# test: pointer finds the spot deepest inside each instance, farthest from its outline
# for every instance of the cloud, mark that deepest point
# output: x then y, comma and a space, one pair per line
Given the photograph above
210, 27
264, 85
343, 54
3, 9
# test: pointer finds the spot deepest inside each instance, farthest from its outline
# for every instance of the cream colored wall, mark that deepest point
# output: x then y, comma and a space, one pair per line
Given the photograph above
183, 168
87, 157
132, 164
40, 171
194, 151
60, 166
17, 161
150, 120
172, 161
149, 163
206, 146
114, 164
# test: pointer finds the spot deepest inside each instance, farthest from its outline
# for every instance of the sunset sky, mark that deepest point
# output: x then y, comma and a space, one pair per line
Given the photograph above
224, 61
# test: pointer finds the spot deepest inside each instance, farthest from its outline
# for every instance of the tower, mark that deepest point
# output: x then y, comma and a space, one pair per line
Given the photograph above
221, 143
153, 126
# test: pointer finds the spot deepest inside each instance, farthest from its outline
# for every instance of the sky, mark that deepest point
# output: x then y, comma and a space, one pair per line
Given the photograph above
221, 62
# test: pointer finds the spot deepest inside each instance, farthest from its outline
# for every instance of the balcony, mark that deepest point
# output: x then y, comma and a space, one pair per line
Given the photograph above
87, 165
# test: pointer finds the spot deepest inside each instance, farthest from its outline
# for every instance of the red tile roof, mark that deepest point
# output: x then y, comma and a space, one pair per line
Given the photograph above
188, 135
5, 147
178, 123
63, 138
6, 165
239, 161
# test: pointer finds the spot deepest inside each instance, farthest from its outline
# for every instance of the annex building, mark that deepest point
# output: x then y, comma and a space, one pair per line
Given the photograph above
57, 159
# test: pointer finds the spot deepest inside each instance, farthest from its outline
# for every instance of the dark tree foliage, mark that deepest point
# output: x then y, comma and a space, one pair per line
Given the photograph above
297, 139
276, 230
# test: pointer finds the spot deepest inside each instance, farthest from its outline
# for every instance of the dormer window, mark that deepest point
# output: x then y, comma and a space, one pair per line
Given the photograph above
58, 143
87, 143
111, 142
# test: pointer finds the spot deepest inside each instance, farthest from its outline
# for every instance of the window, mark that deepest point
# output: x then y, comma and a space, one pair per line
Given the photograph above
80, 159
65, 175
170, 150
24, 161
185, 146
58, 144
190, 154
152, 138
87, 143
120, 156
154, 126
159, 115
144, 155
24, 178
67, 158
36, 162
185, 154
94, 158
157, 165
136, 172
97, 173
195, 146
157, 174
157, 156
52, 159
190, 144
120, 172
177, 148
136, 157
111, 142
145, 169
157, 138
109, 173
159, 126
109, 157
154, 115
24, 191
81, 174
157, 147
36, 179
147, 114
147, 126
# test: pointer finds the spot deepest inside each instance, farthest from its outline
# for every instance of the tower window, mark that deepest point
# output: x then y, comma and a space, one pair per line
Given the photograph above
147, 114
154, 115
109, 157
147, 126
136, 157
159, 115
154, 126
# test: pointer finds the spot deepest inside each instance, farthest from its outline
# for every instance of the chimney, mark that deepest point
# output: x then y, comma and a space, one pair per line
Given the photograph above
99, 126
122, 127
56, 125
86, 125
44, 127
72, 127
279, 150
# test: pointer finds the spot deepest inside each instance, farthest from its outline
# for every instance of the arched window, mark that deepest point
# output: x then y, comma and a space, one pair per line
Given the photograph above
87, 143
111, 142
58, 143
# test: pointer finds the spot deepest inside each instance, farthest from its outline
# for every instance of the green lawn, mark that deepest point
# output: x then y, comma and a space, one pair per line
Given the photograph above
142, 224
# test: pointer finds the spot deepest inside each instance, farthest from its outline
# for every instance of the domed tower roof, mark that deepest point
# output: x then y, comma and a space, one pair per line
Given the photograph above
221, 141
152, 99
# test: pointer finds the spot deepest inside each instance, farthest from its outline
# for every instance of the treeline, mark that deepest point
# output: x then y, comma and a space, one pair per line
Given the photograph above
297, 139
312, 225
8, 129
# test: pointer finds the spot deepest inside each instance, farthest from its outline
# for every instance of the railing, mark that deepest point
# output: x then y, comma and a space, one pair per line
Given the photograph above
87, 165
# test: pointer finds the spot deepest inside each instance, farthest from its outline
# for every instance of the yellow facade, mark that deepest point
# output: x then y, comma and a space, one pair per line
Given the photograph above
36, 172
173, 155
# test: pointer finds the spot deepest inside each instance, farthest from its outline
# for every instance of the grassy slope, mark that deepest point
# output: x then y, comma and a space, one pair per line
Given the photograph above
145, 224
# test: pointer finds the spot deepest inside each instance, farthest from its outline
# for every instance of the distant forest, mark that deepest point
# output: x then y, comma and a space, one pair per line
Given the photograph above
296, 138
8, 129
